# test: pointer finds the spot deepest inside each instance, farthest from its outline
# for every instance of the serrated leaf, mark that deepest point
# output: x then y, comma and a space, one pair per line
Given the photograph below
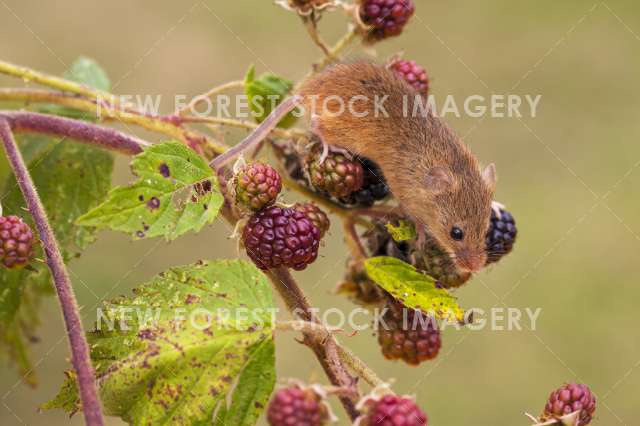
413, 288
403, 232
265, 93
156, 367
85, 71
176, 192
252, 390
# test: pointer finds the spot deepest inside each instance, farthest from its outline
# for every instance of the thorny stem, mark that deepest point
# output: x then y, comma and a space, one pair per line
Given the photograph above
191, 106
353, 241
32, 122
359, 367
75, 331
327, 350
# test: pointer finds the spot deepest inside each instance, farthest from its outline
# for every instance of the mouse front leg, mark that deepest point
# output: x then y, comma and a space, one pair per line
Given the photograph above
316, 129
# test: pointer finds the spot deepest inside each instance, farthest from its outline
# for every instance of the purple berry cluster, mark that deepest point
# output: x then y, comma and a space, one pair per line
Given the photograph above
16, 242
386, 18
294, 406
393, 410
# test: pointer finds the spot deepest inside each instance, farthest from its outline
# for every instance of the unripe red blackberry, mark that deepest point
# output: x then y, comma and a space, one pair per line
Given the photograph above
374, 186
337, 175
407, 334
257, 185
386, 18
393, 410
315, 215
501, 235
295, 406
16, 242
569, 399
281, 237
412, 73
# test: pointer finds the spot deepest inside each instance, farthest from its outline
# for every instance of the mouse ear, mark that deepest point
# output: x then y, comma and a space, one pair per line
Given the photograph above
489, 176
438, 180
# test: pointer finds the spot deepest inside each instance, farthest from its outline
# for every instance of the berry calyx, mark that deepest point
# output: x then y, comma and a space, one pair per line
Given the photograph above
501, 235
281, 237
16, 242
393, 410
386, 18
407, 334
337, 175
297, 406
412, 73
315, 215
568, 399
257, 185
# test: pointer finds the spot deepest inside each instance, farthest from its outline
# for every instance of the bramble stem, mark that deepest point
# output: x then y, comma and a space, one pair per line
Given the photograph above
326, 351
104, 111
33, 122
28, 74
242, 124
359, 367
210, 94
75, 331
310, 24
261, 132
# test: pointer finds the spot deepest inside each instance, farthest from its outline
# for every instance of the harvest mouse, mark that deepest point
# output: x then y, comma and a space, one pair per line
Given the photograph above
367, 110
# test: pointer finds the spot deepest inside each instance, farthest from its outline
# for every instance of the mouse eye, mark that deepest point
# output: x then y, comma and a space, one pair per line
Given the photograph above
457, 234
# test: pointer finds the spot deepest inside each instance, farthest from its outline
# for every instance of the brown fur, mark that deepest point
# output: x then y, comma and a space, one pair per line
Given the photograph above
432, 174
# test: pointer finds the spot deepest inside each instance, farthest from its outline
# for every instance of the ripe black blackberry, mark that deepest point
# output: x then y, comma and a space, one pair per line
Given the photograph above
16, 242
297, 406
568, 399
386, 18
392, 410
281, 237
412, 73
256, 185
337, 175
407, 334
501, 235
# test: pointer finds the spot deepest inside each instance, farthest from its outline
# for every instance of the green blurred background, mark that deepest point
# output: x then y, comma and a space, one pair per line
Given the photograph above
569, 176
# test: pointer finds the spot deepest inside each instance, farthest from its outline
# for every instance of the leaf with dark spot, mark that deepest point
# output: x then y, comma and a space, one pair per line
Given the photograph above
171, 210
174, 373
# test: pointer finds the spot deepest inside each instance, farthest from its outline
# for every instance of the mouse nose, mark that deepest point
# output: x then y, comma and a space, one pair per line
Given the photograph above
470, 262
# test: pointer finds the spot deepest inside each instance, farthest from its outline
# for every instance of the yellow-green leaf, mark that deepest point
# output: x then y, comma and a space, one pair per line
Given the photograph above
413, 288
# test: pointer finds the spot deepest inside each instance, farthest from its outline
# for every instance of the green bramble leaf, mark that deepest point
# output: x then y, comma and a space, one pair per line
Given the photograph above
176, 192
403, 232
192, 346
265, 93
413, 288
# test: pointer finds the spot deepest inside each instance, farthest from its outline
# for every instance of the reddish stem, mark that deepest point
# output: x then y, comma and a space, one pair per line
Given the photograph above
32, 122
75, 331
